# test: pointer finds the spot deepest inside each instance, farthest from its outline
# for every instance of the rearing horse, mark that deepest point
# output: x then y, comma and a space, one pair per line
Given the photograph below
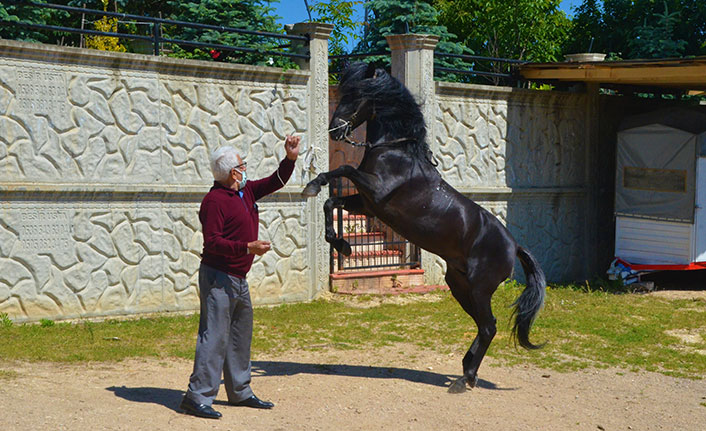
398, 183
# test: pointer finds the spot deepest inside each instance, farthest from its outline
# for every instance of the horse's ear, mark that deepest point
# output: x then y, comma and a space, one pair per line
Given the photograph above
370, 71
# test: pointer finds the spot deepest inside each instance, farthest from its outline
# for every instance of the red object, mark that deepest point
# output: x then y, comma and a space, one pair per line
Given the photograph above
230, 222
215, 54
689, 267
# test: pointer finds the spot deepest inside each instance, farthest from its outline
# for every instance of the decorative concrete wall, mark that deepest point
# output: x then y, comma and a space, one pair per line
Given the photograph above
104, 162
521, 154
526, 156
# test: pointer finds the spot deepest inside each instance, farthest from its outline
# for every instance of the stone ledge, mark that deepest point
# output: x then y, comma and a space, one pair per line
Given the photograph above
129, 61
379, 282
107, 188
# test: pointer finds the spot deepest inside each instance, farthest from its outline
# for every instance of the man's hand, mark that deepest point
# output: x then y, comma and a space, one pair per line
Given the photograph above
258, 247
291, 145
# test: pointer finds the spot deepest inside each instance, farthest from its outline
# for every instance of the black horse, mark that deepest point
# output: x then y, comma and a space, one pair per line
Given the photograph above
398, 183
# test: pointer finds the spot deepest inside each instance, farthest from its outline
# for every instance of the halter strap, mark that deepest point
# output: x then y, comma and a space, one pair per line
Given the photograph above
366, 144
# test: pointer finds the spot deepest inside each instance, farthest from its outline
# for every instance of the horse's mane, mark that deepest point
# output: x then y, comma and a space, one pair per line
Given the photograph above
395, 107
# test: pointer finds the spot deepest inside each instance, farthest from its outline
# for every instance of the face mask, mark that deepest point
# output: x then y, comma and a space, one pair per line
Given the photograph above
241, 183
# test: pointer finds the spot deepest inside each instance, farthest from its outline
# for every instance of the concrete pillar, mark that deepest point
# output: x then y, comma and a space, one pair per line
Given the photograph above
413, 64
314, 153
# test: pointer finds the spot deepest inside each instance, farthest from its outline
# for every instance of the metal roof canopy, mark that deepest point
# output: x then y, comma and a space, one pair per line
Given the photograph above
674, 74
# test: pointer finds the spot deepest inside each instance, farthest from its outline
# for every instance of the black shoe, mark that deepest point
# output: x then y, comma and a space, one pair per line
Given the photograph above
201, 410
254, 402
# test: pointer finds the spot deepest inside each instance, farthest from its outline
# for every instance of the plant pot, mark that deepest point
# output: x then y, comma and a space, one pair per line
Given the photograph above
585, 56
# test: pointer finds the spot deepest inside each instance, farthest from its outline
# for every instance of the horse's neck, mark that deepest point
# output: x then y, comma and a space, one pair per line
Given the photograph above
373, 132
376, 134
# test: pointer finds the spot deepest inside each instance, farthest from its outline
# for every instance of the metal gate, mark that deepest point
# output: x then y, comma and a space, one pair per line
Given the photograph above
375, 245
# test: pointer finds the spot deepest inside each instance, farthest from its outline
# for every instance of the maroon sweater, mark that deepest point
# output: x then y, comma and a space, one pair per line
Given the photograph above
230, 221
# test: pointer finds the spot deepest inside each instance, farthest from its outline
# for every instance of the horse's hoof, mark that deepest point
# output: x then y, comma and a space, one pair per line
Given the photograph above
458, 387
473, 382
311, 190
343, 247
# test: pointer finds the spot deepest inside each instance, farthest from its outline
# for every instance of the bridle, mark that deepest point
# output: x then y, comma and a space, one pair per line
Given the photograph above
348, 126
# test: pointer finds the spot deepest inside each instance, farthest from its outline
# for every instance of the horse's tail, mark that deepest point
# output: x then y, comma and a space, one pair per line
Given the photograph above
530, 301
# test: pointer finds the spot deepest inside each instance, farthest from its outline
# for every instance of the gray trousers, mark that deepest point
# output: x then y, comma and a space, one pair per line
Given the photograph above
223, 342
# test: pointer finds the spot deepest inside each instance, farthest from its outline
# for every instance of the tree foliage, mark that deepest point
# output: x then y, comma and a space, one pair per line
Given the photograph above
243, 14
387, 17
640, 28
532, 30
340, 14
255, 15
658, 41
17, 13
105, 43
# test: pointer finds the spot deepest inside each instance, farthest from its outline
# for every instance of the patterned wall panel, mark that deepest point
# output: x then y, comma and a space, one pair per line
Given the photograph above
521, 155
103, 167
493, 137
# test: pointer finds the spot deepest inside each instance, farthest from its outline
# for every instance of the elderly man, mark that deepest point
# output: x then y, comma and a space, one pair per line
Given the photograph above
229, 218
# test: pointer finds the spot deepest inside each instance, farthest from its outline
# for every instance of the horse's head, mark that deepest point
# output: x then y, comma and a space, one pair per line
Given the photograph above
393, 115
356, 104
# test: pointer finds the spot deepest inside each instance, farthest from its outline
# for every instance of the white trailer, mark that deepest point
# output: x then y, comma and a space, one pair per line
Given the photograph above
660, 193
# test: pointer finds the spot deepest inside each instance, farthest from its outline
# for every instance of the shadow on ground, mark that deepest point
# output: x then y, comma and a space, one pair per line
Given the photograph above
678, 280
169, 398
278, 368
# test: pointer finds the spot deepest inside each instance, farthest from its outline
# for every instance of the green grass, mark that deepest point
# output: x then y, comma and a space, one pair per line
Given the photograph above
8, 375
582, 328
105, 341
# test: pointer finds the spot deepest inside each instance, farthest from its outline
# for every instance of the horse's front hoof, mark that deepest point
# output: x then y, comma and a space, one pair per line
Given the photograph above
311, 190
458, 387
343, 247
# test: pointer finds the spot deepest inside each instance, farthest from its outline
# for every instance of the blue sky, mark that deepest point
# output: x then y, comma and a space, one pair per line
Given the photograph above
294, 11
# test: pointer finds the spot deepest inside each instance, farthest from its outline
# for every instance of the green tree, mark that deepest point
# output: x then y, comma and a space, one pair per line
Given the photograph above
533, 30
33, 15
242, 14
586, 24
339, 13
108, 25
386, 17
658, 41
620, 27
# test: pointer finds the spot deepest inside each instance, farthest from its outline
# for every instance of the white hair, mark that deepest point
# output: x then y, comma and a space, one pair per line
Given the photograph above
222, 161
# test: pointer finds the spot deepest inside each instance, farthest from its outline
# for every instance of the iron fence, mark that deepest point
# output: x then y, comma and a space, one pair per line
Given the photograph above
157, 37
374, 244
497, 70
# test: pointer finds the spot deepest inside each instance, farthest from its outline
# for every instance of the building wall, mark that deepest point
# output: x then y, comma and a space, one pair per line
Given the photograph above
104, 162
521, 154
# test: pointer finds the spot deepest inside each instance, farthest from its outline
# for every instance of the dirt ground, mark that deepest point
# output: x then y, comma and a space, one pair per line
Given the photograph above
397, 388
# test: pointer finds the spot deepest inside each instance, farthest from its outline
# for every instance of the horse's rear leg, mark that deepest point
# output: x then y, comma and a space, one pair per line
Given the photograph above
474, 294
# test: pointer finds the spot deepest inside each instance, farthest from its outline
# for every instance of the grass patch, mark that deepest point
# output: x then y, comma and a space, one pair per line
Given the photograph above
8, 375
5, 321
111, 340
583, 327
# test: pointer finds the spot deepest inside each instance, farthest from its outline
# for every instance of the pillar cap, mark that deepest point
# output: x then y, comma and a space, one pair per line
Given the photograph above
412, 41
315, 30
